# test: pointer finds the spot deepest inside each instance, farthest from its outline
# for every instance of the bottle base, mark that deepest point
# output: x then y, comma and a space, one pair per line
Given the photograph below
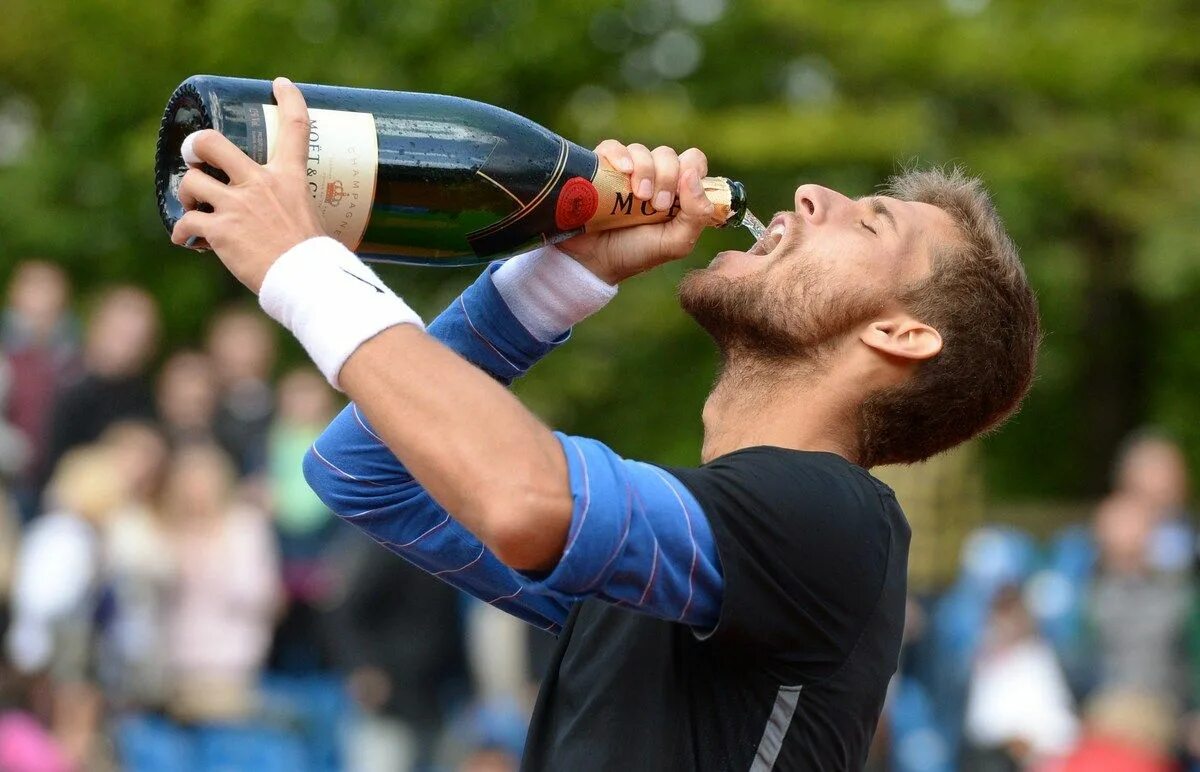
185, 114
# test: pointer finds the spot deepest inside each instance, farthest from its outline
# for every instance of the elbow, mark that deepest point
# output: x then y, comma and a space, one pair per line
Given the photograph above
527, 530
320, 477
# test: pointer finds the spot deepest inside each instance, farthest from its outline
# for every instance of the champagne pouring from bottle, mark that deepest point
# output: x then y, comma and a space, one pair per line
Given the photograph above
423, 179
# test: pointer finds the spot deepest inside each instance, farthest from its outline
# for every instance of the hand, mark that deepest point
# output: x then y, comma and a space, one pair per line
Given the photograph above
264, 210
657, 176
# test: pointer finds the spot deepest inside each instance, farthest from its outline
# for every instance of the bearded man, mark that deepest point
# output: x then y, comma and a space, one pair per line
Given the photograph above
744, 614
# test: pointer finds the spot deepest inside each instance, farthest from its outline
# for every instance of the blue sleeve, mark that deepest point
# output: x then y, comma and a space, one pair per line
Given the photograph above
357, 477
637, 537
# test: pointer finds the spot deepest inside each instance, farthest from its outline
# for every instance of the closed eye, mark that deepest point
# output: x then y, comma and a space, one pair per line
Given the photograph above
868, 227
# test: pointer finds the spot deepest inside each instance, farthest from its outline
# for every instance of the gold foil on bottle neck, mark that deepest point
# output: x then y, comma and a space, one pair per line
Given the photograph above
717, 190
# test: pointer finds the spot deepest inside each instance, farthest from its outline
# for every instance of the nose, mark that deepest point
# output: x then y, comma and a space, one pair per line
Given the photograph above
815, 204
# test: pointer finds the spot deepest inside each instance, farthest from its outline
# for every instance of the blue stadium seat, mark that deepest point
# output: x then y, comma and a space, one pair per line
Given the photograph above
917, 745
248, 749
1072, 552
316, 708
152, 744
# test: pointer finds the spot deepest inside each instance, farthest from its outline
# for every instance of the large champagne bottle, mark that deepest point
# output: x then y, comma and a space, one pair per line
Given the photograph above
421, 178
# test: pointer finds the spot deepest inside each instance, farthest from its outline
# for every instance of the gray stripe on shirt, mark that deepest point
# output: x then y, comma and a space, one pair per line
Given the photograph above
776, 728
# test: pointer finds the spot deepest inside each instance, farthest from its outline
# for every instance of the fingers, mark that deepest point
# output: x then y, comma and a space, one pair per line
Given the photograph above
210, 147
642, 178
292, 147
198, 188
616, 154
191, 228
654, 175
666, 174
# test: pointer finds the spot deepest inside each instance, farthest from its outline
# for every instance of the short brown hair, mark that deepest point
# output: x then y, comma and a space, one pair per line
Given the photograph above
978, 298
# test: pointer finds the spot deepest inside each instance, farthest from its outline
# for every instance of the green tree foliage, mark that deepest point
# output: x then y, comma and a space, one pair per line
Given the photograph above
1084, 119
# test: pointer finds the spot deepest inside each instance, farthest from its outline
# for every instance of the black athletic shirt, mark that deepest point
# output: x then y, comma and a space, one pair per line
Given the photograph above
814, 555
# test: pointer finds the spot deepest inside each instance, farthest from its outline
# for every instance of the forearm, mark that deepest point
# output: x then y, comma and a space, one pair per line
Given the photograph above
476, 450
496, 490
503, 323
508, 319
360, 479
519, 311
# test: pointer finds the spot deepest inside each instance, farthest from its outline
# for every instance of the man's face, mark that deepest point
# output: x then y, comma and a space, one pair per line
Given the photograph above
823, 270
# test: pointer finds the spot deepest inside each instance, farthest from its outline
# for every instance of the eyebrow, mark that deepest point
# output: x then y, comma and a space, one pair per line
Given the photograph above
879, 208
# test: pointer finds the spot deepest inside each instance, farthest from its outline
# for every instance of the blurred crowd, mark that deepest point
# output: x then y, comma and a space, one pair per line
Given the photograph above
173, 596
1075, 653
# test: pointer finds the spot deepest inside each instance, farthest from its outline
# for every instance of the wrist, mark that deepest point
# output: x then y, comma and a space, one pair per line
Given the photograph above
597, 268
331, 301
549, 292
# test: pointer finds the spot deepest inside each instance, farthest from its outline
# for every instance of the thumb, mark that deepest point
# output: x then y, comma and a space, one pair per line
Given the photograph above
695, 213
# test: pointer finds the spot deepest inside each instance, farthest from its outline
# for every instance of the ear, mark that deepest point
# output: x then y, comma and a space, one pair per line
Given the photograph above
903, 337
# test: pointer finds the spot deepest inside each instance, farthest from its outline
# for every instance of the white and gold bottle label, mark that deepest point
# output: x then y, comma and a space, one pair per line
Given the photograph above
341, 167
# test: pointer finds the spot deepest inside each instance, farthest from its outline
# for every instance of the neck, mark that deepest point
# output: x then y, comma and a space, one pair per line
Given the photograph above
787, 405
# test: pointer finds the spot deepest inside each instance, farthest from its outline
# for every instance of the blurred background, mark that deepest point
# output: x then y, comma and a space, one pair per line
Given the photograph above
175, 599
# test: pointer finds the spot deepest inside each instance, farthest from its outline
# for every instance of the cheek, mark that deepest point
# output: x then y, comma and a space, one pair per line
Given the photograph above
860, 270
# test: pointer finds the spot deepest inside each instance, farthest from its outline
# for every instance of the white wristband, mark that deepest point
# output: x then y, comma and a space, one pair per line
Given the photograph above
549, 292
331, 301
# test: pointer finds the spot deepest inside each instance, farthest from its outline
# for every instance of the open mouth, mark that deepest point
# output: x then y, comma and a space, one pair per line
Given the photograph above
770, 239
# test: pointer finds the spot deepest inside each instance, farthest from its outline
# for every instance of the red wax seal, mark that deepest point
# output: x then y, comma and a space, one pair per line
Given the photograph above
577, 202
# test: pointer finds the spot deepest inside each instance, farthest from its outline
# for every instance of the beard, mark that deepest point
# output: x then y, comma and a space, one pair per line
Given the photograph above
784, 312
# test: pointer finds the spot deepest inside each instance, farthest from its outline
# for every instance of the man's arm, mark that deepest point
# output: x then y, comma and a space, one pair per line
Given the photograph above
637, 536
476, 450
509, 318
642, 539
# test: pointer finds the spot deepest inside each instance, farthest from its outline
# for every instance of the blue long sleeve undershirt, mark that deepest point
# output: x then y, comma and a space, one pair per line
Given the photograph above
638, 538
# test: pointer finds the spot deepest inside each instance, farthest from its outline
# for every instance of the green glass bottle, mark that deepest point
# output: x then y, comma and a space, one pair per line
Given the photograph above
421, 178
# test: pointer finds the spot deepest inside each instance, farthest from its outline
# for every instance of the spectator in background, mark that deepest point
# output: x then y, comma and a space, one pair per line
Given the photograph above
1151, 466
57, 590
14, 446
306, 404
1123, 732
1137, 611
220, 620
1019, 709
242, 345
122, 334
140, 572
26, 746
40, 344
402, 644
491, 758
13, 452
506, 669
186, 398
303, 523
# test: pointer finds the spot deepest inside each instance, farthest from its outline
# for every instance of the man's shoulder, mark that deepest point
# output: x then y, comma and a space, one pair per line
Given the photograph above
809, 543
800, 512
